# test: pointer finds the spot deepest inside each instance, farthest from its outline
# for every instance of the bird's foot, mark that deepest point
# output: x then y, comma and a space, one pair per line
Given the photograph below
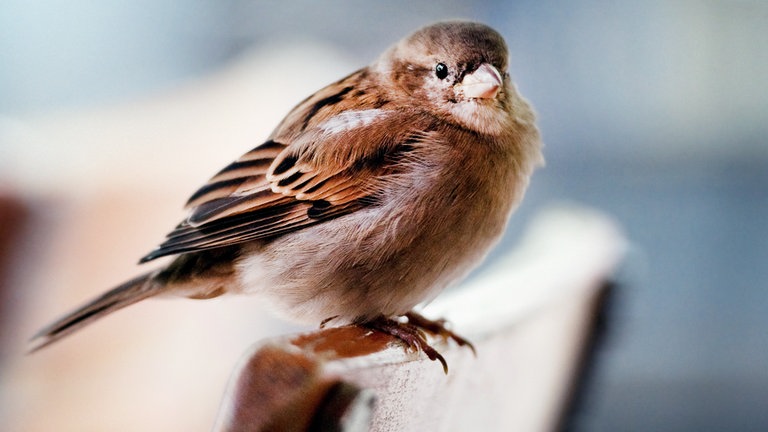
408, 333
325, 322
412, 333
438, 327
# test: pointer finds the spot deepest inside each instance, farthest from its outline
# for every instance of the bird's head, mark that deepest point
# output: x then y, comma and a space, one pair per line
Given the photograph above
458, 70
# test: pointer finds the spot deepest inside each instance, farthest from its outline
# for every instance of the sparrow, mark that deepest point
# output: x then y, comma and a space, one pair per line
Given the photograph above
369, 198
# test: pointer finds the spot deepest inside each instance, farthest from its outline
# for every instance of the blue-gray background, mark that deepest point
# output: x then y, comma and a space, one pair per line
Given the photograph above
654, 111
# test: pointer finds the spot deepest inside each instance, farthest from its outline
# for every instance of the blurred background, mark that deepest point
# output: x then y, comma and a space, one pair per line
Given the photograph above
655, 112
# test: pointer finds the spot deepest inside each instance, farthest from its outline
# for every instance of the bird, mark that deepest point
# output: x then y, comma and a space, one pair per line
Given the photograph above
368, 199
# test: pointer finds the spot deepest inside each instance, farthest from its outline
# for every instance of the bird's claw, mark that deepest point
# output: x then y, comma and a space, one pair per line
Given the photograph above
438, 327
412, 334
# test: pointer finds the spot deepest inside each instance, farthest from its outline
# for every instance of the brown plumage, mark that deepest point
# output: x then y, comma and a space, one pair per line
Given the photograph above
370, 197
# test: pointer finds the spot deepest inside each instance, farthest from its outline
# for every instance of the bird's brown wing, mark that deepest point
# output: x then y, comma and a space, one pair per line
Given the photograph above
327, 171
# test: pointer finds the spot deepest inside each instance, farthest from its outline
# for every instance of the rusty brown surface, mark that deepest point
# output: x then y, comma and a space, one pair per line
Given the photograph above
343, 342
275, 391
279, 388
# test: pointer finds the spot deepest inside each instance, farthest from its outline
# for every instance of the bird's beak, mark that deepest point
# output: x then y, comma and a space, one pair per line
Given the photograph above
483, 83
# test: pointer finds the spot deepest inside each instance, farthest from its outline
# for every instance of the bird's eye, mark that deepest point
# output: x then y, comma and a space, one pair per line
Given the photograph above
441, 70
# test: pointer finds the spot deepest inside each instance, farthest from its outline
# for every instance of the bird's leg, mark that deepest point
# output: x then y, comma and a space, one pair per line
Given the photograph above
327, 320
408, 333
438, 327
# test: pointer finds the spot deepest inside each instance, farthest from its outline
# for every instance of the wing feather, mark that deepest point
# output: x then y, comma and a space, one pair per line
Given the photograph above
318, 165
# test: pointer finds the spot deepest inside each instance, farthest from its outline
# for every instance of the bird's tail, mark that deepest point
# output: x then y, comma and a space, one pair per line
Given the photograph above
123, 295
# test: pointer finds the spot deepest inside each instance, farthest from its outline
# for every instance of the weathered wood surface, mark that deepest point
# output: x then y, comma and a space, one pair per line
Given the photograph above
529, 319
